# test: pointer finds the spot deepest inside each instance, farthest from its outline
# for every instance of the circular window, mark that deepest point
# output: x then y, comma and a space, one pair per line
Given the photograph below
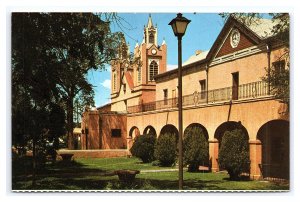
234, 38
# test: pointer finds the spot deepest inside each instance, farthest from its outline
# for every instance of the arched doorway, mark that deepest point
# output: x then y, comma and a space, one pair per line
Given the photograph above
229, 126
219, 133
169, 129
133, 134
274, 137
150, 130
197, 125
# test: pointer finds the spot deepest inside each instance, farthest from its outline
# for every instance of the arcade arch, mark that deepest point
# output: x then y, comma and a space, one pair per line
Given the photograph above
274, 138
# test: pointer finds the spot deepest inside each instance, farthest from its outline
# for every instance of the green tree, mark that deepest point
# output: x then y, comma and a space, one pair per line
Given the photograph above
32, 89
51, 55
234, 153
66, 46
143, 147
195, 148
165, 149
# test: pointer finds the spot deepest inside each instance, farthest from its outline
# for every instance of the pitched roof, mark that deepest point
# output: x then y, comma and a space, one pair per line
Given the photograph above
258, 30
196, 58
261, 27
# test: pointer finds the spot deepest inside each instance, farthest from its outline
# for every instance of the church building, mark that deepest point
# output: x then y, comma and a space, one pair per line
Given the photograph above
223, 89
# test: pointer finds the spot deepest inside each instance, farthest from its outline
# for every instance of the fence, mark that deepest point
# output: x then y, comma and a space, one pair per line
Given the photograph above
244, 91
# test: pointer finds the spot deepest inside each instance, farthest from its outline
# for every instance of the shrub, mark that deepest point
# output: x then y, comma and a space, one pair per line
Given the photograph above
165, 149
195, 148
143, 147
234, 153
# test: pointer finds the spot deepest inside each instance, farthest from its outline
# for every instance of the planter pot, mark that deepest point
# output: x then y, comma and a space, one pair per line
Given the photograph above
126, 176
66, 157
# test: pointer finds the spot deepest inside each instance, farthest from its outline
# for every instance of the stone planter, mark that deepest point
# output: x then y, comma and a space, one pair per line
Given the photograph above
66, 157
126, 176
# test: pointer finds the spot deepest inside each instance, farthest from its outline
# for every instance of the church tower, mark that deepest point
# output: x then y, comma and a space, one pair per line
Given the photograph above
153, 56
150, 32
133, 80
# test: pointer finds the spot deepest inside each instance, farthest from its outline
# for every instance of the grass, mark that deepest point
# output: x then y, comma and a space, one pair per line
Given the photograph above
95, 174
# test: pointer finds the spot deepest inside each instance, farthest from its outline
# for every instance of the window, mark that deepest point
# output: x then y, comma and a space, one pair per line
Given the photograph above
174, 100
139, 74
202, 88
165, 96
153, 70
279, 66
124, 88
151, 38
116, 132
235, 86
114, 81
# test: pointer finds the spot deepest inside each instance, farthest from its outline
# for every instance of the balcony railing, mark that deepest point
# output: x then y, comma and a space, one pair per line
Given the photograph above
245, 91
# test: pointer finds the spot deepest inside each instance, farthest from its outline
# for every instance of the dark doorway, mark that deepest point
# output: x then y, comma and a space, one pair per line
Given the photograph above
274, 137
235, 86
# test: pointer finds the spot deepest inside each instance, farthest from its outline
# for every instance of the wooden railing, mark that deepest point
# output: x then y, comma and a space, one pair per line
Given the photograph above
245, 91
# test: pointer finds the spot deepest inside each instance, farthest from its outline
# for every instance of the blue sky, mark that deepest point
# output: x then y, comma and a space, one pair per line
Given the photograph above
200, 35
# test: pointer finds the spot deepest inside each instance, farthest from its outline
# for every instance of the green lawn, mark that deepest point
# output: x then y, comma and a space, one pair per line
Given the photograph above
96, 174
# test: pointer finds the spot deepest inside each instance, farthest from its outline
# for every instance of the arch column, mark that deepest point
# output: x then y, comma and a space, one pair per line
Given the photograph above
255, 149
213, 154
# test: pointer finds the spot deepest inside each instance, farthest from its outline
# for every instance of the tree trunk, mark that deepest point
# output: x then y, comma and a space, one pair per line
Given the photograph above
34, 162
70, 123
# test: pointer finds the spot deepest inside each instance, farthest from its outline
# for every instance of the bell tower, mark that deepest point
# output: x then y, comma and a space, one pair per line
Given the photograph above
153, 57
119, 66
150, 32
133, 79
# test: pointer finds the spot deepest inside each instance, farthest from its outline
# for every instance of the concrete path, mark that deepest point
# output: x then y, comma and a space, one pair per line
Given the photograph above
161, 170
201, 168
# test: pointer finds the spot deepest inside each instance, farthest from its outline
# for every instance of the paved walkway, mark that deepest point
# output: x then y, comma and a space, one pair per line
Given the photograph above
161, 170
201, 168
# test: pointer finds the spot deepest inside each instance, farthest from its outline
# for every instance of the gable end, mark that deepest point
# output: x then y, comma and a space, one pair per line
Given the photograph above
244, 42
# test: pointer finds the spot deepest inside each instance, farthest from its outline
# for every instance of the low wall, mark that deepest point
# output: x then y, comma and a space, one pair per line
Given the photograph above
102, 153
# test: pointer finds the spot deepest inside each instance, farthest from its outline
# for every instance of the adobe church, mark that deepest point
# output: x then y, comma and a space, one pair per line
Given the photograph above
222, 89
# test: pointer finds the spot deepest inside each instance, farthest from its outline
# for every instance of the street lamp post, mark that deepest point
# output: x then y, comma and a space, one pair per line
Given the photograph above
179, 25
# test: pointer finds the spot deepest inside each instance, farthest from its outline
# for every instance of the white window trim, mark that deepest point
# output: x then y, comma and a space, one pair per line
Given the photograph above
149, 62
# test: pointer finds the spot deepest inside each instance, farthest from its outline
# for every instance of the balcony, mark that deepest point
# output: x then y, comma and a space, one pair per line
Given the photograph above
242, 92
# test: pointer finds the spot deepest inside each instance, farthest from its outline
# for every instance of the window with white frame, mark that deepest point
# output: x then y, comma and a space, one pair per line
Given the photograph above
153, 70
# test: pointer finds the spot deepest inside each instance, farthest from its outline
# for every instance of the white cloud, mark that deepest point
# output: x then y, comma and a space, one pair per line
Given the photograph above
170, 67
106, 83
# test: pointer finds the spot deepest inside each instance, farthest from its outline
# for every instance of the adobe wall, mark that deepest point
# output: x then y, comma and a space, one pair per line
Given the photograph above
251, 68
108, 122
252, 114
96, 153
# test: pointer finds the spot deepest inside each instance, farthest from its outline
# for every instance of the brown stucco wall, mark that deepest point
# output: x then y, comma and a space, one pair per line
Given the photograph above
108, 122
252, 114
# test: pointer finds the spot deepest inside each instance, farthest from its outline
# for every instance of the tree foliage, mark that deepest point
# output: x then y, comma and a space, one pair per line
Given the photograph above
166, 149
52, 54
195, 148
143, 147
234, 153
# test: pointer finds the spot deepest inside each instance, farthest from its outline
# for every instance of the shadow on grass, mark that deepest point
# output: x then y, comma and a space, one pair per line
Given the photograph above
242, 178
76, 176
58, 175
187, 185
